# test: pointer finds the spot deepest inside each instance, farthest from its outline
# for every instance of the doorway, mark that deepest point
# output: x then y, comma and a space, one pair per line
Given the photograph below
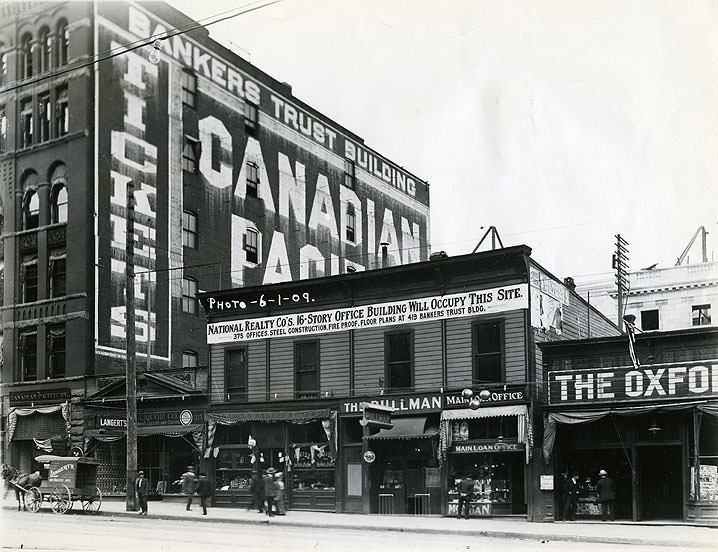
660, 483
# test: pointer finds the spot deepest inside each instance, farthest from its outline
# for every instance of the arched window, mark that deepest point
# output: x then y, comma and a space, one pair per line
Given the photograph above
3, 64
31, 210
59, 204
63, 42
45, 41
26, 53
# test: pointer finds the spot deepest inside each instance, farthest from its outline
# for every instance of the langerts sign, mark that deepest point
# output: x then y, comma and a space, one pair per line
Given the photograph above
163, 418
626, 384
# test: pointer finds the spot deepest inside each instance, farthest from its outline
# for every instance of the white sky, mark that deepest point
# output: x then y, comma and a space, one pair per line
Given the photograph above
562, 123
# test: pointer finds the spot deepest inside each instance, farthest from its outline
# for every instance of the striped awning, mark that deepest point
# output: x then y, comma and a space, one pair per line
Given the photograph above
290, 416
407, 428
484, 412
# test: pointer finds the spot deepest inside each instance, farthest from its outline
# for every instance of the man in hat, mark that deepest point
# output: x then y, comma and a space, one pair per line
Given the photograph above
142, 488
606, 496
270, 490
188, 485
570, 498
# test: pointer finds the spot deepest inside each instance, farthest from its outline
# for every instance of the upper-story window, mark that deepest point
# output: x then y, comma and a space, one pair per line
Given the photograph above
45, 45
56, 351
3, 65
649, 320
306, 369
701, 315
251, 115
57, 269
3, 129
252, 179
62, 112
190, 359
29, 281
488, 352
351, 223
27, 345
251, 245
189, 88
26, 123
190, 154
31, 210
349, 174
59, 204
189, 229
26, 56
63, 42
399, 358
45, 114
189, 296
236, 374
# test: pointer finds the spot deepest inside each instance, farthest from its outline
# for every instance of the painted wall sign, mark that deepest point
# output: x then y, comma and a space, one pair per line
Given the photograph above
63, 474
457, 305
40, 396
493, 446
487, 397
548, 297
170, 417
626, 384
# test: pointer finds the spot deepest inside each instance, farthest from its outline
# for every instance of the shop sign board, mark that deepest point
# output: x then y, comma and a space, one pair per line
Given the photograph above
40, 396
161, 418
405, 404
488, 396
487, 446
375, 415
63, 474
476, 509
629, 384
443, 307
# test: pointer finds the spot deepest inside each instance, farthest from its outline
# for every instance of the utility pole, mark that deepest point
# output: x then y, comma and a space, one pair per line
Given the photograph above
130, 369
620, 265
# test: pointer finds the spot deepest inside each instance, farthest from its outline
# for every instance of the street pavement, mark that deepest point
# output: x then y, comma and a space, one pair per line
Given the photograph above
676, 534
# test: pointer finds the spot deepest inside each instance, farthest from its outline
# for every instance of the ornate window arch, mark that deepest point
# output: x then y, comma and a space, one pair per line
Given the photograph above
26, 53
63, 42
30, 202
58, 194
45, 42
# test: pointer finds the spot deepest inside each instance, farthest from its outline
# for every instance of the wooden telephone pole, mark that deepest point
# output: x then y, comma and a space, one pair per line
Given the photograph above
130, 368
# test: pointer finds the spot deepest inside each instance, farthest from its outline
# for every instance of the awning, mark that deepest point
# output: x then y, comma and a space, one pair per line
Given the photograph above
40, 426
144, 431
484, 412
291, 416
407, 428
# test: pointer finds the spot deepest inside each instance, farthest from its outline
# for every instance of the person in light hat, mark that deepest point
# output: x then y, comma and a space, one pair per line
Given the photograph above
606, 496
142, 486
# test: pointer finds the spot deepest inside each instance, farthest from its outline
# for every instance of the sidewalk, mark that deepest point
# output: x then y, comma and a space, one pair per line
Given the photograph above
664, 534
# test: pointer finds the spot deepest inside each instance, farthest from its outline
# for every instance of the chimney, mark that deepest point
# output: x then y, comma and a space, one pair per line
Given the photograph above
569, 283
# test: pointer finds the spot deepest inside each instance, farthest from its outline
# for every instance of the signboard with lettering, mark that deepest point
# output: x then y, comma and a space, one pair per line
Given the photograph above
161, 418
375, 415
40, 396
629, 384
404, 404
456, 305
470, 447
62, 473
488, 396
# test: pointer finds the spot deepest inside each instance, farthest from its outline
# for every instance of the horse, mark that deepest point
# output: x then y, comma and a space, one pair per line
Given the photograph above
20, 481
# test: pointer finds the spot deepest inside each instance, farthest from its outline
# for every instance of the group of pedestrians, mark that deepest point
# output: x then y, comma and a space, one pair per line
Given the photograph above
606, 489
268, 493
190, 485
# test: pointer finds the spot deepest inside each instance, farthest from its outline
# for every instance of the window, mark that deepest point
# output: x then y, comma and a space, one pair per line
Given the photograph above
399, 362
45, 49
251, 239
351, 223
32, 210
3, 65
349, 173
649, 320
190, 359
26, 56
3, 129
45, 117
190, 154
306, 369
236, 374
29, 281
488, 352
59, 204
701, 315
252, 179
56, 348
28, 353
26, 123
63, 43
62, 113
251, 115
189, 295
189, 89
58, 276
189, 229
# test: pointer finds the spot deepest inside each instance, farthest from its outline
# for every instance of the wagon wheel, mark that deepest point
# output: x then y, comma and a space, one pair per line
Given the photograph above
33, 499
61, 499
91, 504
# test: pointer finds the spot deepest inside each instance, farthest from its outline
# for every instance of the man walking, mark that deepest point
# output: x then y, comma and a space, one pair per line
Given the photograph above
142, 488
188, 485
204, 490
606, 496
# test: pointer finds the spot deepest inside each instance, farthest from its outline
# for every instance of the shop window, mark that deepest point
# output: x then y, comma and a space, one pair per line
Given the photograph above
29, 281
63, 43
45, 49
191, 152
488, 352
189, 88
59, 204
189, 229
251, 116
251, 247
56, 351
189, 296
28, 353
26, 123
701, 315
311, 458
189, 359
349, 174
704, 487
31, 210
62, 112
26, 56
649, 320
306, 369
3, 129
236, 374
58, 276
351, 223
45, 113
399, 370
252, 179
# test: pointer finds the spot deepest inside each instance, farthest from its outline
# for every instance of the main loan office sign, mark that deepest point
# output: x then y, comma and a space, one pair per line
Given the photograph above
629, 384
444, 307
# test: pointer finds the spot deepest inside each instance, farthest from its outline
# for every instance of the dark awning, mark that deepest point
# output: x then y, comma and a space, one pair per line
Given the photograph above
144, 431
40, 426
291, 416
407, 428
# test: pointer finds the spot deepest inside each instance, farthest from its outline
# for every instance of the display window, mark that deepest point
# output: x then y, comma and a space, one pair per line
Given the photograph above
310, 459
704, 488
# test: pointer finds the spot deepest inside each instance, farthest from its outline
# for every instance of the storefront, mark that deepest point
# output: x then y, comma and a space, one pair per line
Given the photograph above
490, 442
299, 444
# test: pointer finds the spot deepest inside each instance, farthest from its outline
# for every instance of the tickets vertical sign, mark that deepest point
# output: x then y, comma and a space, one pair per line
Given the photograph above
132, 141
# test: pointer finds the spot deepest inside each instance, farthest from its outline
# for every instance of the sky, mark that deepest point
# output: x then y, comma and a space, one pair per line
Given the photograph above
560, 123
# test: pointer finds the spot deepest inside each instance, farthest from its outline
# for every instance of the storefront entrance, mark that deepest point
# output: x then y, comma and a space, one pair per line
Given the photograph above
660, 482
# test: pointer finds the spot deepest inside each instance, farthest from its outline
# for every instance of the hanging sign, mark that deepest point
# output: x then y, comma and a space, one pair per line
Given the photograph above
376, 415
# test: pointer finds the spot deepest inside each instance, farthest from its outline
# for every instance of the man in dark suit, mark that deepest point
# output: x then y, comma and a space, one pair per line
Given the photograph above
142, 487
466, 493
606, 496
204, 490
570, 498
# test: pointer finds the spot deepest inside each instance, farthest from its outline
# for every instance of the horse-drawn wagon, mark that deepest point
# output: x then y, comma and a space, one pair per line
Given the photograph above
70, 479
